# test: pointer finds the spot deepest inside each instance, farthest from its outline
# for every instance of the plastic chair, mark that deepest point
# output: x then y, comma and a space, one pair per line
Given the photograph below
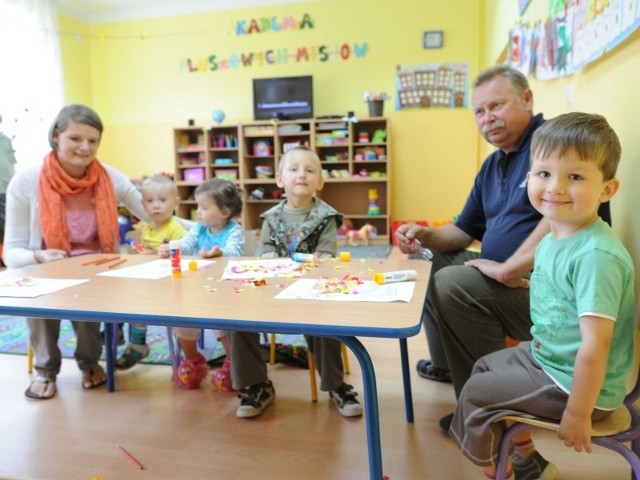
621, 427
312, 364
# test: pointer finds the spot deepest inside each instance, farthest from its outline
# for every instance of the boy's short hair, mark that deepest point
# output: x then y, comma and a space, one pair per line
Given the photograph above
299, 148
75, 113
589, 135
159, 180
225, 193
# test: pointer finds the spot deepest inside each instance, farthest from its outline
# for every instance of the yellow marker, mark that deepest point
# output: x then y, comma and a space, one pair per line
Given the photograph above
345, 256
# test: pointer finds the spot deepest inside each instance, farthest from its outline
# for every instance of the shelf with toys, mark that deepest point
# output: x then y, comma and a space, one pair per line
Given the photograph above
354, 156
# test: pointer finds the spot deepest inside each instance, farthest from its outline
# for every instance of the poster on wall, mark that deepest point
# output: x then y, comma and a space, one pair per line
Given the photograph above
575, 33
442, 85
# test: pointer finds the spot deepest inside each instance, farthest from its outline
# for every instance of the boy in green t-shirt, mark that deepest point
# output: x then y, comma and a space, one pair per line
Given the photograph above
575, 368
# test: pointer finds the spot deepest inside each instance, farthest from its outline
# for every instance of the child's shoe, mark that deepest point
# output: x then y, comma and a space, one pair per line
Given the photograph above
132, 355
533, 467
254, 399
221, 378
191, 372
345, 400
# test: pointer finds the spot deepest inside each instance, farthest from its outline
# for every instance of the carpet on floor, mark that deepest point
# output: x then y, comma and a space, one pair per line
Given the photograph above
14, 339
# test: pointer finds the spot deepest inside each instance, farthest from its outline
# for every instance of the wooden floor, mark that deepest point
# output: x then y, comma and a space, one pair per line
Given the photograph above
178, 434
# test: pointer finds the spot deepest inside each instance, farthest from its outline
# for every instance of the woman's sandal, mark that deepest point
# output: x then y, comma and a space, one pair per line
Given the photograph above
93, 378
41, 389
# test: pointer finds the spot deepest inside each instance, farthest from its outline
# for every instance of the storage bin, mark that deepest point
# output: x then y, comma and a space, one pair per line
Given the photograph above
230, 174
193, 174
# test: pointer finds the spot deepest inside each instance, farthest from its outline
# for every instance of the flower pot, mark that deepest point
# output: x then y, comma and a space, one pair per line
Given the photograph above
376, 108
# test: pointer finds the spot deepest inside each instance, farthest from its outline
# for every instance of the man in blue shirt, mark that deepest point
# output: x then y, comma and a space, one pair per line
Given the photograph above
476, 300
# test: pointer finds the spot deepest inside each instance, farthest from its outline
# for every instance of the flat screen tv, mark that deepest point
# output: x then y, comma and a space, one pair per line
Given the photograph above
283, 98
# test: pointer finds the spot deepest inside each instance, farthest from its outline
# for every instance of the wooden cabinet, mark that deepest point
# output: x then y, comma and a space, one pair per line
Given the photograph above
355, 163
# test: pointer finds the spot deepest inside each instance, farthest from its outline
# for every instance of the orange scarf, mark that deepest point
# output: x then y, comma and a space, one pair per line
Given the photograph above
55, 184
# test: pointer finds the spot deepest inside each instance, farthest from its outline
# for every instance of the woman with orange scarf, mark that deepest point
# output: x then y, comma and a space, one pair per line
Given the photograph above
65, 207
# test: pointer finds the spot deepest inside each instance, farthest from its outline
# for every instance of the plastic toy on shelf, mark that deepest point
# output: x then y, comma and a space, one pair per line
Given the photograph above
374, 209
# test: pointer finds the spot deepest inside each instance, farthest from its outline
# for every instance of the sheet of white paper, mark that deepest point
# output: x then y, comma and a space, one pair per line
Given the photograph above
154, 269
263, 268
28, 287
366, 292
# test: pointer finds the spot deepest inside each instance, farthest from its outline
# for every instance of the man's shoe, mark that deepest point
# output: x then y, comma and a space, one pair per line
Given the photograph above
445, 423
426, 370
132, 355
533, 467
254, 399
344, 398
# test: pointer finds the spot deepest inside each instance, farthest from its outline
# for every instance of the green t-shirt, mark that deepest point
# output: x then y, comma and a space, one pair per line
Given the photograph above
589, 273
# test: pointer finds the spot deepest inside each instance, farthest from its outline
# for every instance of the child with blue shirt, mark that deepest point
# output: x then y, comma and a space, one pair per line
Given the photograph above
582, 307
214, 234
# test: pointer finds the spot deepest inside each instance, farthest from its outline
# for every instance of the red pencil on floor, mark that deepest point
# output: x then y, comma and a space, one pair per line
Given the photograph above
129, 457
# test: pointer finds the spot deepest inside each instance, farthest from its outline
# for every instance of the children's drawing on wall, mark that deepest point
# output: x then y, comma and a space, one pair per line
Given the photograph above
574, 34
433, 85
523, 43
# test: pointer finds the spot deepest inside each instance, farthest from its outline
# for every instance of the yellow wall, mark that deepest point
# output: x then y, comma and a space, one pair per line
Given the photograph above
137, 87
130, 72
76, 61
607, 86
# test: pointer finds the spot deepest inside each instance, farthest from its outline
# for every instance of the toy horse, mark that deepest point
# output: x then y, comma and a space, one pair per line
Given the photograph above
362, 235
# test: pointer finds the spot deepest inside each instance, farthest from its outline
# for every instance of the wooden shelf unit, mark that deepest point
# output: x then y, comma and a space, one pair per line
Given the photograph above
249, 154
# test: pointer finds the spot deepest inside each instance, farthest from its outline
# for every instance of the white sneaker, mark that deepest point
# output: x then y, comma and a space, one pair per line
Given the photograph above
254, 399
345, 401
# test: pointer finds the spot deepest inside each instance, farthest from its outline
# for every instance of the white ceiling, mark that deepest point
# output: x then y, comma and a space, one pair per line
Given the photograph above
106, 11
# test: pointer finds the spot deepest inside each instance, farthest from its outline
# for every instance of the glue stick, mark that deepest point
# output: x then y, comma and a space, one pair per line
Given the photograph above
304, 257
397, 276
174, 256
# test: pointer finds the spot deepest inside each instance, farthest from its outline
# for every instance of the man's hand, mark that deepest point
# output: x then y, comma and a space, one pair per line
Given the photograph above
498, 271
406, 235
